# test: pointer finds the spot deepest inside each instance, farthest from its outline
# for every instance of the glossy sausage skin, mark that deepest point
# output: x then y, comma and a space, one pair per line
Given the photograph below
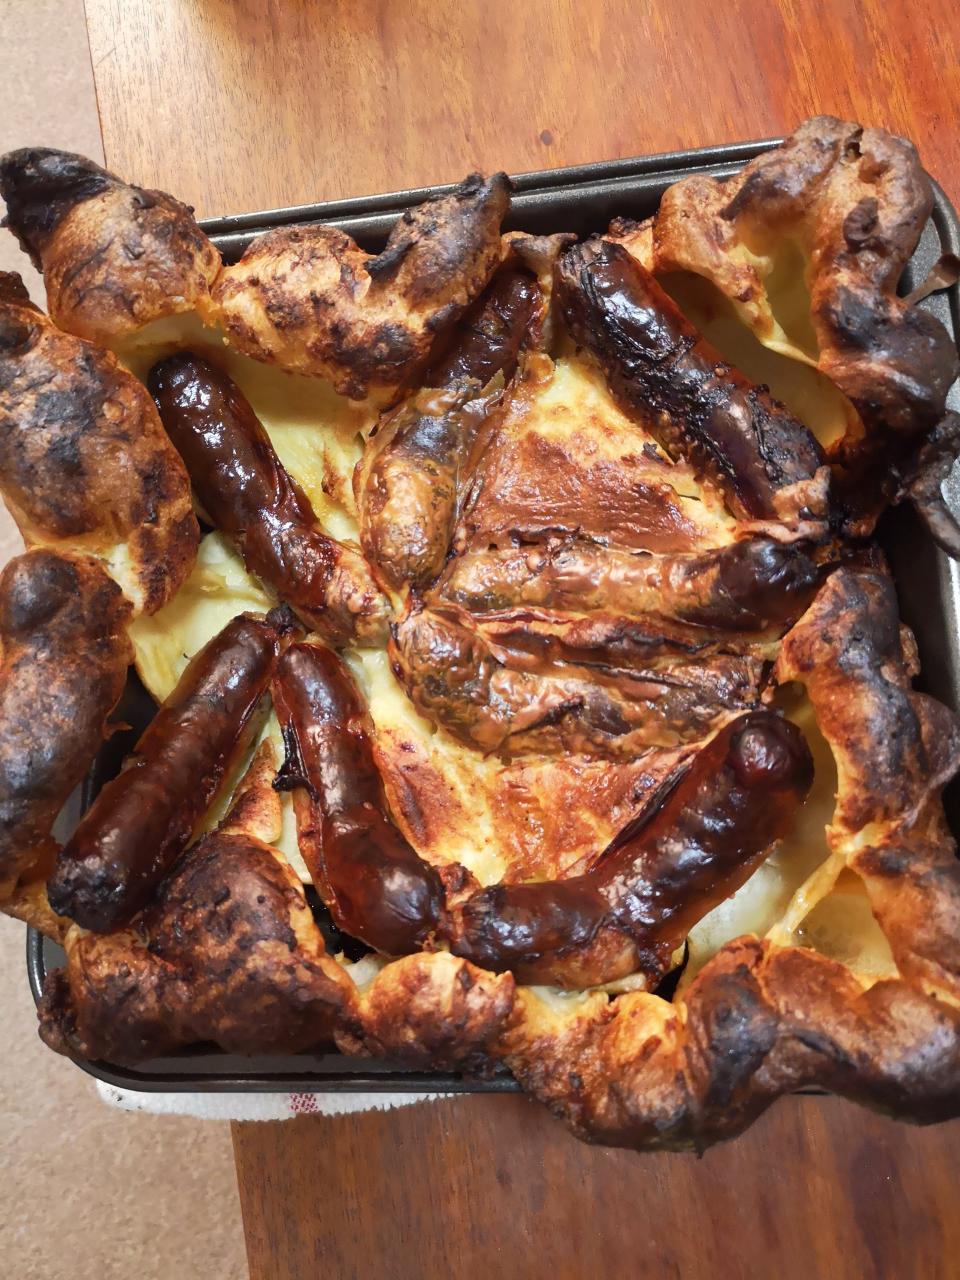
248, 494
376, 886
715, 819
661, 370
144, 818
490, 337
747, 586
411, 490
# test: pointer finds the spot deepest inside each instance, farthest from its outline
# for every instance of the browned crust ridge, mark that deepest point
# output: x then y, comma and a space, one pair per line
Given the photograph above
114, 256
84, 461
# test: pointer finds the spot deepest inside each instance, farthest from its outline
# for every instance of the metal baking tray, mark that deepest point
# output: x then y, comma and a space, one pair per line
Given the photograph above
581, 199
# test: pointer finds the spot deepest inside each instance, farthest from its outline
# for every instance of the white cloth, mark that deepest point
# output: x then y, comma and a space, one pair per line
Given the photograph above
256, 1106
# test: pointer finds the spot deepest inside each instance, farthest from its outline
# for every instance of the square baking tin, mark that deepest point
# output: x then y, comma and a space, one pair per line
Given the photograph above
582, 199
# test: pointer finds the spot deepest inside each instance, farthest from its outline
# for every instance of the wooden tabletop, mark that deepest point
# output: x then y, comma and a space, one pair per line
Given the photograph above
243, 104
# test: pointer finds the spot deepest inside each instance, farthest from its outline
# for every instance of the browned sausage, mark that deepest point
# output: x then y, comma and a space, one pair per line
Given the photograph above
411, 489
747, 586
142, 821
662, 370
248, 494
376, 886
715, 819
506, 701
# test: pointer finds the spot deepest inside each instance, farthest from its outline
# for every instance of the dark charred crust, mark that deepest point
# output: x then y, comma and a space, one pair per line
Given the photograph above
906, 396
40, 187
14, 292
760, 1021
896, 747
228, 954
732, 1037
113, 256
65, 657
309, 300
431, 240
83, 455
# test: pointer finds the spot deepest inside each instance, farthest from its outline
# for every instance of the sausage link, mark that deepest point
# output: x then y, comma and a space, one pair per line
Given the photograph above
714, 821
249, 495
412, 487
144, 818
747, 586
662, 370
510, 701
376, 886
490, 337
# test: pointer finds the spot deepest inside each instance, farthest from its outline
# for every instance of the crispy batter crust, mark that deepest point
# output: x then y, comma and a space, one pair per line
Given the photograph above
856, 201
895, 750
233, 956
309, 300
759, 1021
65, 657
589, 475
113, 256
84, 459
429, 1010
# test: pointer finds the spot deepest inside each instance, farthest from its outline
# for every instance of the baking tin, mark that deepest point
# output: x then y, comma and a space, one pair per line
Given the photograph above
581, 199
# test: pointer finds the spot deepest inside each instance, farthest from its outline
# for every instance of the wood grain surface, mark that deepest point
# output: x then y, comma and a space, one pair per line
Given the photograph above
492, 1188
248, 104
236, 105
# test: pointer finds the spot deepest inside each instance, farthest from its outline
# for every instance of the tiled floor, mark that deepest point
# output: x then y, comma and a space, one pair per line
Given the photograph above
87, 1192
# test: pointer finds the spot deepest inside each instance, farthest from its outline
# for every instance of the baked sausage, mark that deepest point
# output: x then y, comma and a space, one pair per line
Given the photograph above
144, 818
694, 846
747, 586
410, 490
374, 883
662, 371
508, 700
249, 495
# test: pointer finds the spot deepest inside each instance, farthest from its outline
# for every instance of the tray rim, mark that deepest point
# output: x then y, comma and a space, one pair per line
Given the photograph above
231, 233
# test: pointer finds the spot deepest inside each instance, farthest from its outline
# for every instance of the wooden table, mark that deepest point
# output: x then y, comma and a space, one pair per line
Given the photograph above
236, 105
